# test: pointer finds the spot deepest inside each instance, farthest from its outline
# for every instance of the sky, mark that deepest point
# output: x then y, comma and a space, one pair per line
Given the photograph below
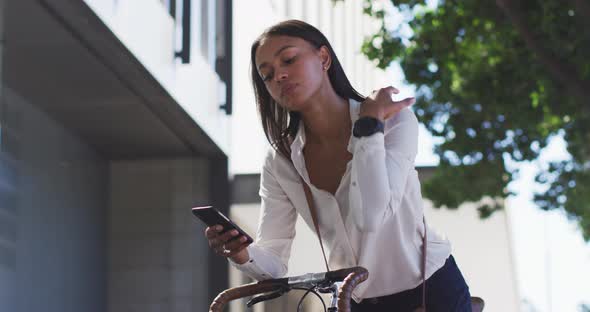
552, 260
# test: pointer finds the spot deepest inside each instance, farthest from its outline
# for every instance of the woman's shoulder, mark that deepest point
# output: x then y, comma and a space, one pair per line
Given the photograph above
273, 158
277, 163
279, 169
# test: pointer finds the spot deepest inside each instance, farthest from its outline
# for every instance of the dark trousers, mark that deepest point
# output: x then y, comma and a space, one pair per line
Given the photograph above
446, 291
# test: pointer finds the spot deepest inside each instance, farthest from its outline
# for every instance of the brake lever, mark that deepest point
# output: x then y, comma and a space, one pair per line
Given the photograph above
326, 289
265, 297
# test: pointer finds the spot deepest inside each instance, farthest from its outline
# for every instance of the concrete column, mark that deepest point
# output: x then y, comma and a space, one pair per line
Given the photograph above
8, 212
158, 257
219, 192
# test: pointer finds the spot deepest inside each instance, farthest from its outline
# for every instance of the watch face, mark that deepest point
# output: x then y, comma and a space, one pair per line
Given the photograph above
366, 126
371, 124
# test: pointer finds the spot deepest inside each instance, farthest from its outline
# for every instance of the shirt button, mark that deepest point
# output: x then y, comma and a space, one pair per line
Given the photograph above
353, 183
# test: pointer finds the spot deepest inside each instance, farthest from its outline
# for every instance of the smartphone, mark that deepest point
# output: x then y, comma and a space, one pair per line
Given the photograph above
211, 216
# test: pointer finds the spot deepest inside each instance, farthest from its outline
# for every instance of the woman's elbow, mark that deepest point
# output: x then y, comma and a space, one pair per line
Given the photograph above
373, 219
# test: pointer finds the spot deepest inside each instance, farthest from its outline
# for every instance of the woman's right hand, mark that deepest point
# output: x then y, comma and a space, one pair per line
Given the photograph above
381, 105
228, 244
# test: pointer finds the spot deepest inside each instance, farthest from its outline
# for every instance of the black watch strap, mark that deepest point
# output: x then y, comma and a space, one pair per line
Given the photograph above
367, 126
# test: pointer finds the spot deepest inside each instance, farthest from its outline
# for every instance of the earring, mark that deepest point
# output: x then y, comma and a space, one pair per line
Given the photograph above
325, 67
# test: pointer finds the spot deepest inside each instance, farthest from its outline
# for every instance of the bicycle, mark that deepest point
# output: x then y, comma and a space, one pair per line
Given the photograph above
339, 284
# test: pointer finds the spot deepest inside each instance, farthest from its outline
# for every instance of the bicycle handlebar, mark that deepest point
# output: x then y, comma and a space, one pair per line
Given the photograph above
351, 278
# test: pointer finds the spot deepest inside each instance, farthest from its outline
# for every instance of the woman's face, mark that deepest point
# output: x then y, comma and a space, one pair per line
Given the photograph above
292, 69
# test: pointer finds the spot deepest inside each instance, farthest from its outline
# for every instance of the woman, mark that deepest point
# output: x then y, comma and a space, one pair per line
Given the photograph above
357, 156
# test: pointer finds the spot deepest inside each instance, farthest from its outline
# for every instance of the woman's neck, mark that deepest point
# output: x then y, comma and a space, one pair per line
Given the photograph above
327, 118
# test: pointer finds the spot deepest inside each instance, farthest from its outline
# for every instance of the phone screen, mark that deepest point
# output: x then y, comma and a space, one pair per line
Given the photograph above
211, 216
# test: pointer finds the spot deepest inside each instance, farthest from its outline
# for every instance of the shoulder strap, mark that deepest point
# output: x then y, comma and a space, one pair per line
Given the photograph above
314, 217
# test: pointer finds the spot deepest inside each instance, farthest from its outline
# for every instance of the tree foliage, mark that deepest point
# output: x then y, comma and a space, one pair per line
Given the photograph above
496, 80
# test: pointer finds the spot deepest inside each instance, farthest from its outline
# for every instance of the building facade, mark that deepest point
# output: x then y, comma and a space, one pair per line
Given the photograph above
114, 119
117, 117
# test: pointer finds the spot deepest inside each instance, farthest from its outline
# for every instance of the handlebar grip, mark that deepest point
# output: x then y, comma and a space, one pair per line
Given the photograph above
354, 277
242, 291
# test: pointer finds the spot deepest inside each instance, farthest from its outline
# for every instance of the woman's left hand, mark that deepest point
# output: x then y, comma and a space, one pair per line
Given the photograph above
380, 104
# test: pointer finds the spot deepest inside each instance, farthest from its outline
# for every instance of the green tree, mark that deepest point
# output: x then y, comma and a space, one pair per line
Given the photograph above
496, 80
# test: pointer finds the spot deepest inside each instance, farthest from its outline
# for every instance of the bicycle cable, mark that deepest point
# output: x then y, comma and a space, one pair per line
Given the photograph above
307, 291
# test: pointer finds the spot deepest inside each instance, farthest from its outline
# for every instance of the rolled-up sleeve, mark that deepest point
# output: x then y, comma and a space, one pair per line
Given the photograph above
269, 255
380, 167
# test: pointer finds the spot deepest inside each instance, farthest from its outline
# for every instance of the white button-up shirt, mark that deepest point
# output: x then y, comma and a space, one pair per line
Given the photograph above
374, 220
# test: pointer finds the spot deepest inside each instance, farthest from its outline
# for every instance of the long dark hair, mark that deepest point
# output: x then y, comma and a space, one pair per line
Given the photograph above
280, 125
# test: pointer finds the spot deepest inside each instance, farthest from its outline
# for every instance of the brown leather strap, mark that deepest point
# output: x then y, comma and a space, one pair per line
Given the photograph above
314, 217
424, 243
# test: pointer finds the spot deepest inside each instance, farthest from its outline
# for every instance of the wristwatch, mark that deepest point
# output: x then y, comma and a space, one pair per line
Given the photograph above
366, 126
